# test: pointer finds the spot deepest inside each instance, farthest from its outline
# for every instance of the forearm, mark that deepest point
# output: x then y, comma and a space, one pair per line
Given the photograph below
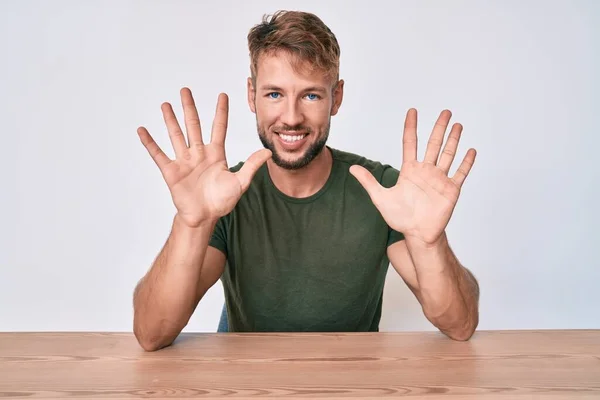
448, 292
165, 298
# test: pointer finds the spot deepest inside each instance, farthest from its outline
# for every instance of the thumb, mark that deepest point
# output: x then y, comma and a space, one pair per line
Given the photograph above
367, 180
252, 164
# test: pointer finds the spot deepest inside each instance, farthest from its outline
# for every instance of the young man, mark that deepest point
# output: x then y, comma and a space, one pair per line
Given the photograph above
302, 234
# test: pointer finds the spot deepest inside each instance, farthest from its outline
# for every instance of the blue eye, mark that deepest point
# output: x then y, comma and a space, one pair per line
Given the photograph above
312, 96
273, 95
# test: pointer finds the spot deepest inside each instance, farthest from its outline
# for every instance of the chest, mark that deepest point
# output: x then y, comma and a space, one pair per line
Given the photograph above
301, 264
333, 234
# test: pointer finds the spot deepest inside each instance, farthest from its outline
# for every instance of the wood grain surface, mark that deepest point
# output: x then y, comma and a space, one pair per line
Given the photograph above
492, 365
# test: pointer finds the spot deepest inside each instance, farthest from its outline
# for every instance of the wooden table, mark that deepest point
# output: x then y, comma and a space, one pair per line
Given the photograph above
492, 365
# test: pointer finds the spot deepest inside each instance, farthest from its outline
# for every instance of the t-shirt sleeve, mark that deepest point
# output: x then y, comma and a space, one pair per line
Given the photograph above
389, 179
218, 238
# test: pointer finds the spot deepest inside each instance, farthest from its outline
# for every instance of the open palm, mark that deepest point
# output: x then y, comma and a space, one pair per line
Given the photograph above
201, 185
421, 202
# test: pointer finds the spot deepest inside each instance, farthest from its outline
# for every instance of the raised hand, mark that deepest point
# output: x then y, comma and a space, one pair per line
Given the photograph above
201, 185
422, 201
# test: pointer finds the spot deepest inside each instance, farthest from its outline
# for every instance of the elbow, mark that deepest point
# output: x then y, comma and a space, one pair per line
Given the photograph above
149, 343
149, 340
459, 329
464, 332
461, 336
150, 346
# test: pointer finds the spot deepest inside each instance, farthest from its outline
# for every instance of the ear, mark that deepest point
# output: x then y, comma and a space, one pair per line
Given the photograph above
251, 96
338, 95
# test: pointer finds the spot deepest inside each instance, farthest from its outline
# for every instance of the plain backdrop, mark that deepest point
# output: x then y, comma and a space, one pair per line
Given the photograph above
84, 210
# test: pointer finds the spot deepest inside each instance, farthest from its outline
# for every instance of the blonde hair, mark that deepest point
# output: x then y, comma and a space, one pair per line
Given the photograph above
302, 35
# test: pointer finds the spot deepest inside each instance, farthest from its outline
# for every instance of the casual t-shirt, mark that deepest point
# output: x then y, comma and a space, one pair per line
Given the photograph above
307, 264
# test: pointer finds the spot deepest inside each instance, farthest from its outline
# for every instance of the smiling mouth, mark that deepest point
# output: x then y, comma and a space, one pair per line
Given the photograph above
291, 138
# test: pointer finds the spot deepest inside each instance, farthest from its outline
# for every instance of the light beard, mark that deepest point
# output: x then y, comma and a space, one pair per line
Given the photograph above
310, 154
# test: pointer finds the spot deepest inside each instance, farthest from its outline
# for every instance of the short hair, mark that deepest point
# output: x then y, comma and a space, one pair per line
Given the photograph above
302, 35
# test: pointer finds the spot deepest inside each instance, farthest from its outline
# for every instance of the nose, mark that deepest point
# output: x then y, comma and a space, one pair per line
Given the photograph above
292, 114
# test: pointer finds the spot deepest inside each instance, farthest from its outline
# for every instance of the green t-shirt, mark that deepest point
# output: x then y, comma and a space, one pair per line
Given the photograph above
313, 264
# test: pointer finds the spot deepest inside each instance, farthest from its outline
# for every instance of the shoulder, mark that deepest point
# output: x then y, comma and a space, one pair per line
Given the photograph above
384, 173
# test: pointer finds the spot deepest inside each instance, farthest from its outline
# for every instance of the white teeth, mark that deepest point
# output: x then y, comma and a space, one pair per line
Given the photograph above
291, 139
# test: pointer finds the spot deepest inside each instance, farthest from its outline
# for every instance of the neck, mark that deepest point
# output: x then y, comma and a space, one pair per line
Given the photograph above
302, 182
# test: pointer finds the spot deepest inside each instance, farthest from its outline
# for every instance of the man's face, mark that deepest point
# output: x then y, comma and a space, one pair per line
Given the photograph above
293, 110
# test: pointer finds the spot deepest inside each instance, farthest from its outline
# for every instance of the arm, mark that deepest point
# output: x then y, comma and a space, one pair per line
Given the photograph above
420, 205
166, 297
447, 291
203, 190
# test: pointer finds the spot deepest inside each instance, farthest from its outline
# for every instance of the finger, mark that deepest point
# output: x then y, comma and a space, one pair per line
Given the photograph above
219, 127
367, 180
437, 137
159, 157
449, 151
192, 120
409, 139
252, 164
175, 134
464, 168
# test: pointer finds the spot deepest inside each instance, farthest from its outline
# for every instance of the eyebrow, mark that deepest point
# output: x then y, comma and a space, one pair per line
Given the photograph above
274, 88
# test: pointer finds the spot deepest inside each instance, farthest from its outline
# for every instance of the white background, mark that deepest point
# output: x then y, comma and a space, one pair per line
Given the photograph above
84, 210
